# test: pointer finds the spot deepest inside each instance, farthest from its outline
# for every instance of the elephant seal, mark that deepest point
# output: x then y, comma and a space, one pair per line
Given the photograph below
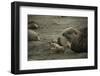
80, 43
33, 36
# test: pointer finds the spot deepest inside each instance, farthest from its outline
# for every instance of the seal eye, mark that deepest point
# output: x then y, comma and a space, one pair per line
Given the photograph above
63, 34
75, 33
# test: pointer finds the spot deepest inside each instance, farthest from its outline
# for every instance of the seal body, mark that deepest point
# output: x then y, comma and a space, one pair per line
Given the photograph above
33, 36
80, 43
